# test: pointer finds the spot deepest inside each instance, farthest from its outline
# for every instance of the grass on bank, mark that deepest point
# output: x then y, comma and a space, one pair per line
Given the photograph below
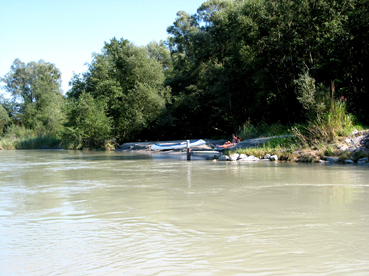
292, 150
315, 140
284, 148
18, 137
30, 143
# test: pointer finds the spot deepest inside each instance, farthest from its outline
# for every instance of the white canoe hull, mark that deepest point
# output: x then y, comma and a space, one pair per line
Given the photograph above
181, 145
206, 152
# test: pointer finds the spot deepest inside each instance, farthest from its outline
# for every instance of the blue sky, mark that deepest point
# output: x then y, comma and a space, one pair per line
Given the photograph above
67, 32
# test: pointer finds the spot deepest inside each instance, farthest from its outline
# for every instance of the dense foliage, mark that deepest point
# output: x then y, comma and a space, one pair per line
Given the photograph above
4, 118
129, 82
87, 124
237, 61
234, 63
37, 87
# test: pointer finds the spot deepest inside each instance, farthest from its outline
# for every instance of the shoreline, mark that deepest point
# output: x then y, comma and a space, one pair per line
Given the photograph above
352, 149
210, 144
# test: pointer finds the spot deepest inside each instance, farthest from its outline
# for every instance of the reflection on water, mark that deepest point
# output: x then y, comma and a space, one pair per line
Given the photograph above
83, 213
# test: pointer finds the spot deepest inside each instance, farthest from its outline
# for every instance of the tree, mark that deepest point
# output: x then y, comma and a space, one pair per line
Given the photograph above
87, 124
30, 81
356, 85
129, 82
36, 86
236, 61
4, 118
160, 52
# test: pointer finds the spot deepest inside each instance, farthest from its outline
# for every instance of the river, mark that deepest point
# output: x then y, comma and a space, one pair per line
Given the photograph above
116, 213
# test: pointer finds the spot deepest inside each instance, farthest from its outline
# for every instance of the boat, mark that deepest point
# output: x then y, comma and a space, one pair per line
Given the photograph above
181, 145
206, 152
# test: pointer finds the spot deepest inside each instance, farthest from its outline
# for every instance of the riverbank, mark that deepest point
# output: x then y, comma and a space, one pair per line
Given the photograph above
210, 144
352, 149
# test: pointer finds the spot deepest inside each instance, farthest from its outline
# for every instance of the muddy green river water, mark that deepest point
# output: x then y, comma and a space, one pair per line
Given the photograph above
115, 213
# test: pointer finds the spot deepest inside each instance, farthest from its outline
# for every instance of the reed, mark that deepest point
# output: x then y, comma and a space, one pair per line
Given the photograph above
18, 137
9, 143
325, 128
41, 142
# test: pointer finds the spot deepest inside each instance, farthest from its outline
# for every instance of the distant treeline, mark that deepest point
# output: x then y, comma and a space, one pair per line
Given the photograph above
230, 64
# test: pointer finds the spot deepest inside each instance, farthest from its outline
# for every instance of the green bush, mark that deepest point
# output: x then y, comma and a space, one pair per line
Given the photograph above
41, 142
20, 132
327, 127
327, 117
330, 151
87, 125
19, 137
4, 118
9, 143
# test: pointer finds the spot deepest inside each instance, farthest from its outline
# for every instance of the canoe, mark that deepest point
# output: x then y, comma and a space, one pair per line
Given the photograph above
181, 145
206, 152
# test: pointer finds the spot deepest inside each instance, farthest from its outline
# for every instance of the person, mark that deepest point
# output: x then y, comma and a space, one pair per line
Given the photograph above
235, 140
